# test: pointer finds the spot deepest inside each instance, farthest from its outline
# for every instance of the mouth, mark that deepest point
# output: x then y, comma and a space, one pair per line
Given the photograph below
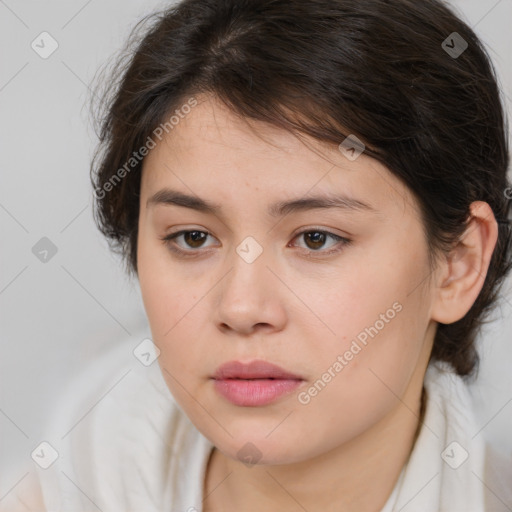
254, 384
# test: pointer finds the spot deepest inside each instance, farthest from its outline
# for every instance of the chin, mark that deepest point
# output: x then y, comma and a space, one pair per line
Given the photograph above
253, 446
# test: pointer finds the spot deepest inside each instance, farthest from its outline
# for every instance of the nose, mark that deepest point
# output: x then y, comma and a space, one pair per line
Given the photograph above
249, 300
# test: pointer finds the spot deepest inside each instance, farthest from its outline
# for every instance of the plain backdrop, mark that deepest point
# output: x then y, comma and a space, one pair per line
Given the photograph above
58, 315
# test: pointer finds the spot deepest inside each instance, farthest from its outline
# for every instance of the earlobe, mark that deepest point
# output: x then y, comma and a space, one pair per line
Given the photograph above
465, 268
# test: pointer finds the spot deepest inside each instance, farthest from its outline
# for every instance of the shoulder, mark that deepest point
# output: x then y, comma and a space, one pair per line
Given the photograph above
116, 432
471, 469
446, 455
498, 479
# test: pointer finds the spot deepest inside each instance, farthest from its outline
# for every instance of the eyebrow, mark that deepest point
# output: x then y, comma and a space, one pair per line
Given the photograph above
167, 196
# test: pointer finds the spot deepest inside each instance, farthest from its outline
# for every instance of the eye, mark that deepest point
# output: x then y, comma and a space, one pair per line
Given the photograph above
315, 239
194, 239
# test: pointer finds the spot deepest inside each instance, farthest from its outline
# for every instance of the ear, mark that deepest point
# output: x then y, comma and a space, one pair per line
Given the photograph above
462, 273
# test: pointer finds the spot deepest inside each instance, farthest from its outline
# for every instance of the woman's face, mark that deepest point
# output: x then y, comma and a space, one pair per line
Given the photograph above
262, 276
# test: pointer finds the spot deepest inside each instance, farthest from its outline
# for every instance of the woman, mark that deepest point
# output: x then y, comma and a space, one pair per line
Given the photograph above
313, 198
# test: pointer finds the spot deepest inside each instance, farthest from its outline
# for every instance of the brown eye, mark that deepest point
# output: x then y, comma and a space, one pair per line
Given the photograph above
194, 238
188, 241
315, 239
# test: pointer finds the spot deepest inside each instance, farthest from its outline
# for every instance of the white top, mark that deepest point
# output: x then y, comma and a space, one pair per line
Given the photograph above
124, 445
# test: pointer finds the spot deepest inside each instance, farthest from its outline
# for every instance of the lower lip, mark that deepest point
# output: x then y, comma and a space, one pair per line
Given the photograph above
256, 392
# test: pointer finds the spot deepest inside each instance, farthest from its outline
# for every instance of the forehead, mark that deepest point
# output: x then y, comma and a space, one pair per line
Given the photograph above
211, 148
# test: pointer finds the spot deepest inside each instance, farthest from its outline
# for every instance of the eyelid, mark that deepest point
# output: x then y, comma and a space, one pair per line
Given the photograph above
168, 242
341, 241
325, 230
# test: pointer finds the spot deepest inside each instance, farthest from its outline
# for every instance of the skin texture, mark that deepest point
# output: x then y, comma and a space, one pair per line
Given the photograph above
296, 307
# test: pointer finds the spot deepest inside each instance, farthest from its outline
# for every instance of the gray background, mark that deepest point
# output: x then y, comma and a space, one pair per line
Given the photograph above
57, 316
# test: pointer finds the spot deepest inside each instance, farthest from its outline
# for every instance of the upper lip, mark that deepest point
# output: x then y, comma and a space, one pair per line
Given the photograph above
253, 370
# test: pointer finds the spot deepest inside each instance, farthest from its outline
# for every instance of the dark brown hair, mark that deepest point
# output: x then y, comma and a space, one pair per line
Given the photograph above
389, 71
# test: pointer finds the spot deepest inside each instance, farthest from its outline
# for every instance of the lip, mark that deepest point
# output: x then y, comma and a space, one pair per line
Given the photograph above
254, 384
257, 369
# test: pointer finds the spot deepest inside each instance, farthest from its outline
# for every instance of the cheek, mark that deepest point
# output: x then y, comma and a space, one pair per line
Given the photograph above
161, 294
372, 294
164, 289
378, 315
155, 289
360, 373
174, 310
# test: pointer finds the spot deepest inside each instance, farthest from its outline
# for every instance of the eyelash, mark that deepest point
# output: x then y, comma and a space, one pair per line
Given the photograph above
168, 241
